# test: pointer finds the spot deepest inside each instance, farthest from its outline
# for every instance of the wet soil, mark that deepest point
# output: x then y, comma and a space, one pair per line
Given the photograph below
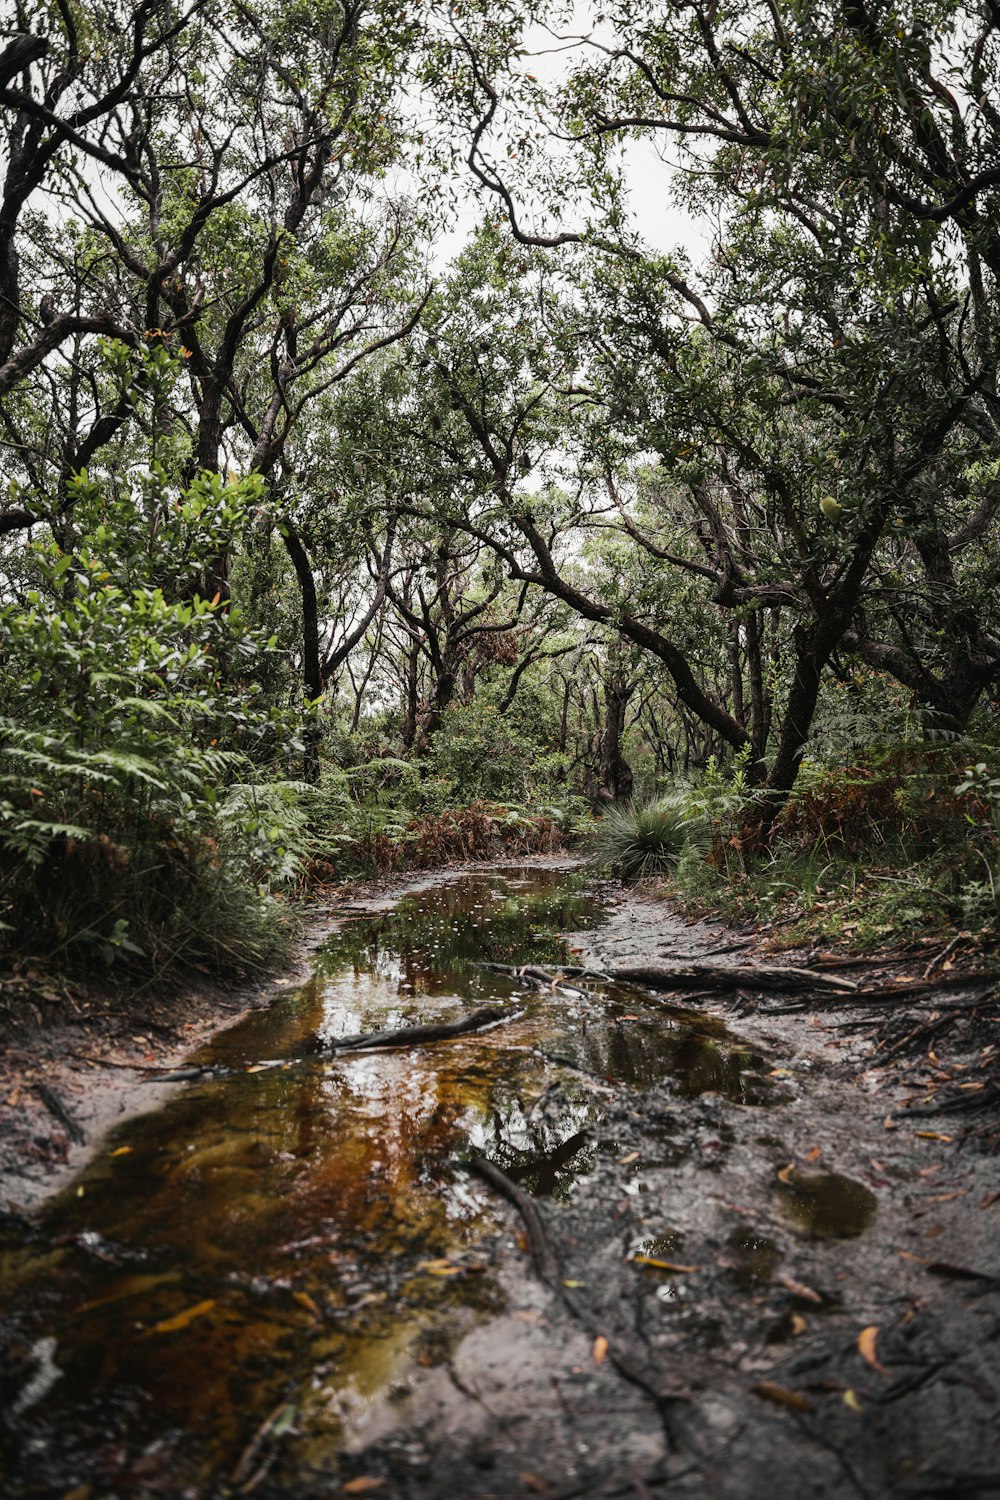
286, 1281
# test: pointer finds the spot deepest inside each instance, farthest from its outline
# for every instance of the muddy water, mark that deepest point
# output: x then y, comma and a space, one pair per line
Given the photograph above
292, 1240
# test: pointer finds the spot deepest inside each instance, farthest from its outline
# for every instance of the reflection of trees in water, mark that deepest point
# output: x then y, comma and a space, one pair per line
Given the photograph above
540, 1146
444, 931
643, 1055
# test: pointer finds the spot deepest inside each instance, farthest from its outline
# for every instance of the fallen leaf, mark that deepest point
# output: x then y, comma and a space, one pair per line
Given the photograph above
173, 1325
799, 1325
851, 1400
624, 1161
799, 1289
889, 1123
814, 1154
304, 1300
662, 1265
957, 1273
573, 1284
909, 1255
785, 1174
122, 1151
867, 1341
945, 1197
534, 1482
439, 1267
600, 1349
362, 1485
932, 1135
781, 1395
629, 1018
988, 1199
14, 1099
934, 1231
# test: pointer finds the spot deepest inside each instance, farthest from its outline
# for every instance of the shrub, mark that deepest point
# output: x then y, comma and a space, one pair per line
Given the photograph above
639, 839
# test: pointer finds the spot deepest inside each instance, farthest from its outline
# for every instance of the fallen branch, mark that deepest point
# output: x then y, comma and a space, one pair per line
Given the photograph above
436, 1031
732, 977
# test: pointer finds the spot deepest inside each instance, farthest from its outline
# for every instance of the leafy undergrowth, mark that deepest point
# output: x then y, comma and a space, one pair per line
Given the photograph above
900, 847
483, 830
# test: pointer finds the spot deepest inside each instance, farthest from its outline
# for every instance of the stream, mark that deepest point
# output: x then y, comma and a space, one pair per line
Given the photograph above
253, 1279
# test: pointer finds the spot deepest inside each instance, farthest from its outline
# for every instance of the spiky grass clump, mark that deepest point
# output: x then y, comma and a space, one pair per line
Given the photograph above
640, 839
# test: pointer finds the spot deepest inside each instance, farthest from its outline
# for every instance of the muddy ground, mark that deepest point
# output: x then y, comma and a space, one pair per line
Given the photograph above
794, 1295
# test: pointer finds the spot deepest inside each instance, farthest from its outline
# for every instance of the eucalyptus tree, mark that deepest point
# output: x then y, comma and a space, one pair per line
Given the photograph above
821, 395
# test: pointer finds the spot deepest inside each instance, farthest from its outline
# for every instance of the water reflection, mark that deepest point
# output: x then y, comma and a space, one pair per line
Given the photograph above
266, 1236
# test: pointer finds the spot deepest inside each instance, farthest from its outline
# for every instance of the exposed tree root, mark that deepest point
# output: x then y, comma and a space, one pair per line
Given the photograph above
663, 1394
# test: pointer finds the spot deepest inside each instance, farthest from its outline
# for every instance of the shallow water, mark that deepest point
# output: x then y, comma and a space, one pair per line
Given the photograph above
291, 1240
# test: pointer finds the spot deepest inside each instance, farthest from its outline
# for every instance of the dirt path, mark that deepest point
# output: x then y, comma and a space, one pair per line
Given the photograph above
781, 1284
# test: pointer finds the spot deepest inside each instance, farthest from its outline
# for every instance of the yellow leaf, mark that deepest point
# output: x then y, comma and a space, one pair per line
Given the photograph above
782, 1396
931, 1135
439, 1268
799, 1324
304, 1300
600, 1349
624, 1161
851, 1400
785, 1174
867, 1340
574, 1283
662, 1265
173, 1325
122, 1151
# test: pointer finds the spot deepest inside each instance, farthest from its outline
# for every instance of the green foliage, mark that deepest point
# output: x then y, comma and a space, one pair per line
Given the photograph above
642, 839
117, 699
480, 753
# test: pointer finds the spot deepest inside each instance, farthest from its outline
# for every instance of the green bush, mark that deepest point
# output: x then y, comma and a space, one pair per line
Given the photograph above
118, 687
640, 839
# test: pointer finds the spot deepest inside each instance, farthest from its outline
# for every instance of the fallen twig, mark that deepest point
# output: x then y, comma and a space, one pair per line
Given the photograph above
56, 1107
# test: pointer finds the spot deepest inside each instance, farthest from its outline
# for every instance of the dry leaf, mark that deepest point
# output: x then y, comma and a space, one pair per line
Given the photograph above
304, 1300
629, 1018
799, 1325
867, 1341
988, 1199
624, 1161
14, 1099
362, 1485
889, 1123
781, 1395
181, 1320
785, 1174
931, 1135
799, 1289
534, 1482
439, 1267
814, 1154
574, 1284
600, 1349
851, 1400
945, 1197
122, 1151
662, 1265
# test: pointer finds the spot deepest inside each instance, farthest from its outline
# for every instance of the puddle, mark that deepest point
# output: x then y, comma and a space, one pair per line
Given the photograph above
755, 1257
294, 1236
827, 1205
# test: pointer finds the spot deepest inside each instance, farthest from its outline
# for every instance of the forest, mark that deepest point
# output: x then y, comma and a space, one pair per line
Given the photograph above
314, 540
449, 432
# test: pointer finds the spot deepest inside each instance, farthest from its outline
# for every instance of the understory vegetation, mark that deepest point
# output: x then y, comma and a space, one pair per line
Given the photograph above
326, 554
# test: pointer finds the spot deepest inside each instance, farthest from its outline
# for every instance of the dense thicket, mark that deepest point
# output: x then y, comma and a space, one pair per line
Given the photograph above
311, 540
